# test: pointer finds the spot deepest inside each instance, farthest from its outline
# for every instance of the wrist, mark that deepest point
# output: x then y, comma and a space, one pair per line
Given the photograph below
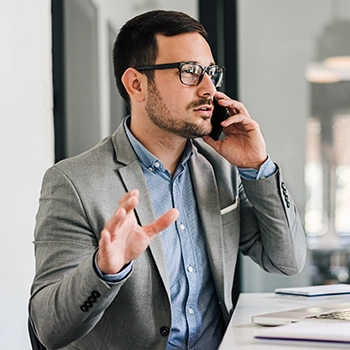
259, 163
256, 165
107, 268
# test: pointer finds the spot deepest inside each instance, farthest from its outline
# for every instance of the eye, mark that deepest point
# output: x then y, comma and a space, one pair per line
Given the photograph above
187, 69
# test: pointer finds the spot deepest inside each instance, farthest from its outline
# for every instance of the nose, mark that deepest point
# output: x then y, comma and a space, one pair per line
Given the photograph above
206, 87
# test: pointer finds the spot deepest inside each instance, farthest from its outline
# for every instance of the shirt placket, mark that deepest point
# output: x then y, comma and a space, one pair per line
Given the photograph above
189, 263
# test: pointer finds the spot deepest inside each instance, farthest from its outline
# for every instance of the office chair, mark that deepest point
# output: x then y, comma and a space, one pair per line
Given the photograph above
36, 345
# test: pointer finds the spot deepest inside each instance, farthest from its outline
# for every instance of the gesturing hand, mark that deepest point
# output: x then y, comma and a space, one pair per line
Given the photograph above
244, 144
123, 239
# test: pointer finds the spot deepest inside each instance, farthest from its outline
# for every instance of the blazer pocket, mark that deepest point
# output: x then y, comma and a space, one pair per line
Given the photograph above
230, 215
230, 207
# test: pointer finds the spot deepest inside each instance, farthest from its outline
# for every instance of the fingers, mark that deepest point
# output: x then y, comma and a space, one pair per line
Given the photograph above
126, 205
125, 210
234, 107
163, 222
238, 113
240, 121
129, 201
112, 244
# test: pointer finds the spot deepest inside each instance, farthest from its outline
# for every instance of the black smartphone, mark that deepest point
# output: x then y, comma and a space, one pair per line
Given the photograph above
220, 113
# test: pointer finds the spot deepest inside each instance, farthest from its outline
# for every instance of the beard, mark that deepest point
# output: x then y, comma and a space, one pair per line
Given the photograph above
161, 116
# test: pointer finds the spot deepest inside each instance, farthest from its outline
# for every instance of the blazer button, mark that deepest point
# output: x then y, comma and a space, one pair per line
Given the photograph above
164, 331
92, 299
84, 308
88, 304
95, 294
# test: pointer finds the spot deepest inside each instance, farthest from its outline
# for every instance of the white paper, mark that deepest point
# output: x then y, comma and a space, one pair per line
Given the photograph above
310, 291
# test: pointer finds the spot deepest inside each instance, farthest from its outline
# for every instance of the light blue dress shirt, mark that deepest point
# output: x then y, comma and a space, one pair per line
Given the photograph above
196, 316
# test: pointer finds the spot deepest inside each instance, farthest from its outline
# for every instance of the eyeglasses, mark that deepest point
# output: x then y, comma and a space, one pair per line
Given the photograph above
191, 73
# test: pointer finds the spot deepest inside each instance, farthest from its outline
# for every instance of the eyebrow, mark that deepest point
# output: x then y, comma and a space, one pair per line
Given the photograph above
210, 64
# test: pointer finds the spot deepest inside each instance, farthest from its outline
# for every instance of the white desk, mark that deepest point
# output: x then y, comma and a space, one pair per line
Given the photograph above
241, 330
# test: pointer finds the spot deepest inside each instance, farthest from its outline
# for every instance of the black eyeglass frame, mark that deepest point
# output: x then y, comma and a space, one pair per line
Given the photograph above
179, 66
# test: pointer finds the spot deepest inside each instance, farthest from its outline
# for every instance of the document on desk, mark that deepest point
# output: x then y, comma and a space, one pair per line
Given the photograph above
314, 291
334, 332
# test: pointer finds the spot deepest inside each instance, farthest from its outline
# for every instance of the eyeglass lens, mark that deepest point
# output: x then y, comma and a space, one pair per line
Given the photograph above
192, 74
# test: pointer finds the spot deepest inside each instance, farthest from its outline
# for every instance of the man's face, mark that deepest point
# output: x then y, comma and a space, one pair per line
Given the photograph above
180, 109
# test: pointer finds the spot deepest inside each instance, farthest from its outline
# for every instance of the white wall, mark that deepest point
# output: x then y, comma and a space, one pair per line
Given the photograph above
26, 150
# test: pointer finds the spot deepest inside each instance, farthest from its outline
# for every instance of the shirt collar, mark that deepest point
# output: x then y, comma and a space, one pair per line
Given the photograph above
146, 158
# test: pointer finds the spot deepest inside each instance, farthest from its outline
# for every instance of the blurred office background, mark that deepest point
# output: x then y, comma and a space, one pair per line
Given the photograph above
277, 59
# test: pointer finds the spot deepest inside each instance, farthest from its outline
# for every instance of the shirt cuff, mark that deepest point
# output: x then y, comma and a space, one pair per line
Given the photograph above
267, 169
116, 277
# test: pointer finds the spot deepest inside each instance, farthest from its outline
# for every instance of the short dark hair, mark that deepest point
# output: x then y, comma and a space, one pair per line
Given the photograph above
136, 43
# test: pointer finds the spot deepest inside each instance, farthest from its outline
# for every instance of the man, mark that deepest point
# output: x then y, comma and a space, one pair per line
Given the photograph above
136, 240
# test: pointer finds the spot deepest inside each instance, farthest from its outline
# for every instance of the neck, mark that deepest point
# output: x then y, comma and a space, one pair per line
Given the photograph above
167, 147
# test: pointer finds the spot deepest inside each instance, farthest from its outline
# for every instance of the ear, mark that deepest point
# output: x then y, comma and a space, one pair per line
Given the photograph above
134, 83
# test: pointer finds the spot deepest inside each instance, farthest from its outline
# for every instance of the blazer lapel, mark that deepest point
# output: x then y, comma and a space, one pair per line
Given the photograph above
133, 178
208, 203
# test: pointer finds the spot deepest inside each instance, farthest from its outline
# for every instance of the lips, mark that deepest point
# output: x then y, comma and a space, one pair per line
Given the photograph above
206, 108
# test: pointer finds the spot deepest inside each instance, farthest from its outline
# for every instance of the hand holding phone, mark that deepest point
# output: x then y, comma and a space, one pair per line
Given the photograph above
220, 113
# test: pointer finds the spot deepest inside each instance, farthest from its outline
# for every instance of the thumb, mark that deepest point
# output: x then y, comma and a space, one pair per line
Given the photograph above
163, 222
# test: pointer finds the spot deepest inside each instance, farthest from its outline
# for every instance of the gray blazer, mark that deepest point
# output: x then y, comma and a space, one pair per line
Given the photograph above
81, 193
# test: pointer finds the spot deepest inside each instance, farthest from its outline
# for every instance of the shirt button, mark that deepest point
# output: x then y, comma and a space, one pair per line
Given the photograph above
156, 164
190, 269
182, 226
150, 168
191, 311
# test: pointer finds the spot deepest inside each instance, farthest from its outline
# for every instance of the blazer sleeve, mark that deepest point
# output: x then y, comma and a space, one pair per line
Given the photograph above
271, 230
67, 296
